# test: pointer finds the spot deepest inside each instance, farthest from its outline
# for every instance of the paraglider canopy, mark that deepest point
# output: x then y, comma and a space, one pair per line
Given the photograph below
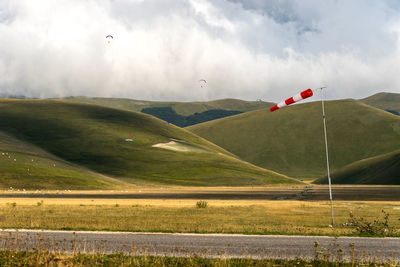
109, 37
202, 82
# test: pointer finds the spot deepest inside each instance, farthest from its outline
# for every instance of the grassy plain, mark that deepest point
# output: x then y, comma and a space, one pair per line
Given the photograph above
220, 216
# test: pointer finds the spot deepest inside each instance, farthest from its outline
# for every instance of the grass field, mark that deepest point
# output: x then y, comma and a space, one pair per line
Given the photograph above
94, 137
382, 169
220, 216
291, 140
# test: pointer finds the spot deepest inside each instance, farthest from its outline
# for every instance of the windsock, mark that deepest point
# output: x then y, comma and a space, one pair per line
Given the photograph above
305, 94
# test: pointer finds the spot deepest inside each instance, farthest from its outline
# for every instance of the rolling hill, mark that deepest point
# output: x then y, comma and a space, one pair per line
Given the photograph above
181, 108
120, 144
169, 115
389, 102
25, 166
290, 140
379, 170
179, 113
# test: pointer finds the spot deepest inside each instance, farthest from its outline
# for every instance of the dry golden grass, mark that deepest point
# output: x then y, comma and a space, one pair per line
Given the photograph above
220, 216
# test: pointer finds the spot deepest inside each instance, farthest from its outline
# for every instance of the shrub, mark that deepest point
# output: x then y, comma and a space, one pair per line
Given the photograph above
380, 226
13, 204
202, 204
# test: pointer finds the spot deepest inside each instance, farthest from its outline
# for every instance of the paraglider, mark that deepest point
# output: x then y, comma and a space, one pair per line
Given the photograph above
202, 83
109, 37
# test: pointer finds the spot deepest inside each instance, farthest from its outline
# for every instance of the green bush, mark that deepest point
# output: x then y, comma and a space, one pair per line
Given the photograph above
202, 204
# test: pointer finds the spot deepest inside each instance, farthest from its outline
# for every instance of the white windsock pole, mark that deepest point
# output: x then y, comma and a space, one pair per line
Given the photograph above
327, 154
302, 95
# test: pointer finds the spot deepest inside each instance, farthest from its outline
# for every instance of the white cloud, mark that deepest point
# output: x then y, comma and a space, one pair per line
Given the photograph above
161, 48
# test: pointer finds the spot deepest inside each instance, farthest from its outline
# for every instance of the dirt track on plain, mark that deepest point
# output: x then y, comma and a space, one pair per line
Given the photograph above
367, 193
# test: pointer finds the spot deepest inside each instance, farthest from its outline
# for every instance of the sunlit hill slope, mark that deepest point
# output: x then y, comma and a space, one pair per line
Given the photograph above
25, 166
120, 143
290, 140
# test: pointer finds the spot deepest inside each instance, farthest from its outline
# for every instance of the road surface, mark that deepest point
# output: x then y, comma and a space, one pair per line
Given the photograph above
205, 245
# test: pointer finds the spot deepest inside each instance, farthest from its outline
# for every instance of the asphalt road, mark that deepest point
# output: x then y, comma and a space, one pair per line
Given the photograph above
370, 193
205, 245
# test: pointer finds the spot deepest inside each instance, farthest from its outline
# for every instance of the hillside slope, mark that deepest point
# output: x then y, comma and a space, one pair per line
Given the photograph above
170, 116
380, 170
290, 140
25, 166
389, 102
181, 108
181, 114
120, 143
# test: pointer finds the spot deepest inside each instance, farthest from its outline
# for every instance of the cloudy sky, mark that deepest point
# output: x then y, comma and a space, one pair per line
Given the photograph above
247, 49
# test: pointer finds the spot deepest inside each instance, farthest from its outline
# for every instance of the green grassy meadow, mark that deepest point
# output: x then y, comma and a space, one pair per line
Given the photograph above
382, 169
94, 137
291, 140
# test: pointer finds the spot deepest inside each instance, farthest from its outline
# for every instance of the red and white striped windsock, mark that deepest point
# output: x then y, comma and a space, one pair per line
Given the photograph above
305, 94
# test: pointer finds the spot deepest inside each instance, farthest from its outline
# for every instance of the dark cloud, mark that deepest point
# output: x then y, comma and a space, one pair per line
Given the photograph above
245, 49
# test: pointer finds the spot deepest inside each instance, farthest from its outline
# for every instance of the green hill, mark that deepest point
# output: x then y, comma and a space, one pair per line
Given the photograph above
25, 166
181, 108
120, 143
389, 102
169, 115
178, 113
380, 170
290, 140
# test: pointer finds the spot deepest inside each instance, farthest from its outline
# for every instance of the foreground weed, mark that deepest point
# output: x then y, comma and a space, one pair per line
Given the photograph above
379, 226
202, 204
13, 204
17, 251
45, 258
